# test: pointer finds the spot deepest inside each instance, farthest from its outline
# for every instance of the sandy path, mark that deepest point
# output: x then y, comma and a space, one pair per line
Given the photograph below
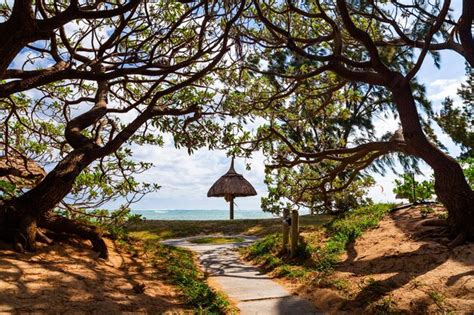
253, 292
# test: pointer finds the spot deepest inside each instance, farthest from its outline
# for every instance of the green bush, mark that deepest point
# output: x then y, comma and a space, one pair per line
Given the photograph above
406, 187
346, 228
268, 244
467, 165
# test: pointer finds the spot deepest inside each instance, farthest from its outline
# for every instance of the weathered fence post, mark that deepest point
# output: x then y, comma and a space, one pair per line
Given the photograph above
286, 229
294, 232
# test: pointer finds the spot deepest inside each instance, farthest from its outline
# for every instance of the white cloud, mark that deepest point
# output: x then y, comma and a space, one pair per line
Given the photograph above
439, 89
185, 179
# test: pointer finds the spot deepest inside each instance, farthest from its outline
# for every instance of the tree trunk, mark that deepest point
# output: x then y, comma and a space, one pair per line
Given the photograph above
451, 186
53, 188
19, 30
35, 205
20, 217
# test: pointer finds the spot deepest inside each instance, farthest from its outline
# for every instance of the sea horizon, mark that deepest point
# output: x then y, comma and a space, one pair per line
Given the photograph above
202, 214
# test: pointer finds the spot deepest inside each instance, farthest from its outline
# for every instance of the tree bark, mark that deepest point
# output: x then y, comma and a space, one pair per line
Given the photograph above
35, 205
19, 30
451, 186
53, 188
63, 225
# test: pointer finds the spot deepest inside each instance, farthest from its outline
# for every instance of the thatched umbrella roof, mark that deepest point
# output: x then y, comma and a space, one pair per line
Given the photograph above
20, 171
231, 184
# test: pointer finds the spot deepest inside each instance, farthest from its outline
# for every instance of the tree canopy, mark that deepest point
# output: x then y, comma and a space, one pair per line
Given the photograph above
311, 66
84, 83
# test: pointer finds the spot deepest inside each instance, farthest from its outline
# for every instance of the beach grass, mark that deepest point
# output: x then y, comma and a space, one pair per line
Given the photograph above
320, 249
178, 267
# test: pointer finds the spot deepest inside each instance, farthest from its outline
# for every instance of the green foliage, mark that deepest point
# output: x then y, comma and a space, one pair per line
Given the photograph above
162, 59
296, 186
264, 246
425, 211
467, 165
350, 226
458, 121
424, 190
436, 296
41, 139
7, 190
180, 268
291, 272
339, 284
384, 306
406, 187
322, 113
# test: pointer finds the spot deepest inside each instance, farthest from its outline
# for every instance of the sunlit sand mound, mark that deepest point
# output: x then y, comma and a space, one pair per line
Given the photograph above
402, 266
63, 278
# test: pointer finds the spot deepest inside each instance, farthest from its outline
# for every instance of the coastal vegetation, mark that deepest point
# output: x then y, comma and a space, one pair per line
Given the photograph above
377, 259
83, 84
319, 249
329, 69
160, 230
105, 78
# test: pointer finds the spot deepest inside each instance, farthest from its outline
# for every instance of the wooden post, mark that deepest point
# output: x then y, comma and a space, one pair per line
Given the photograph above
294, 232
286, 230
232, 207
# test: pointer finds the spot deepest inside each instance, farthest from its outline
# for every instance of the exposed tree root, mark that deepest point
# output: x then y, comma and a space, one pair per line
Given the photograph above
434, 233
24, 234
435, 222
41, 237
409, 205
460, 239
61, 225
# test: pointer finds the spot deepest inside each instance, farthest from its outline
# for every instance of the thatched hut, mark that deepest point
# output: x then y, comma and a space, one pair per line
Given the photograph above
20, 171
231, 185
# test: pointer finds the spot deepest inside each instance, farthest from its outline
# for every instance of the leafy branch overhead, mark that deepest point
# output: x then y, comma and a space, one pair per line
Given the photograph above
85, 84
327, 75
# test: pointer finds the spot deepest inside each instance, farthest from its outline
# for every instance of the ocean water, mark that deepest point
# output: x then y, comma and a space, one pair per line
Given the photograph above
202, 215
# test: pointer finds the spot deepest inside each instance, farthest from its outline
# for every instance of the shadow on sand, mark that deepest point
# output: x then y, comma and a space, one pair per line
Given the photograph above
426, 251
64, 278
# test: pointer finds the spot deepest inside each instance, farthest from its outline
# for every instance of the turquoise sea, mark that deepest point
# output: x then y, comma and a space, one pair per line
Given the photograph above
203, 215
